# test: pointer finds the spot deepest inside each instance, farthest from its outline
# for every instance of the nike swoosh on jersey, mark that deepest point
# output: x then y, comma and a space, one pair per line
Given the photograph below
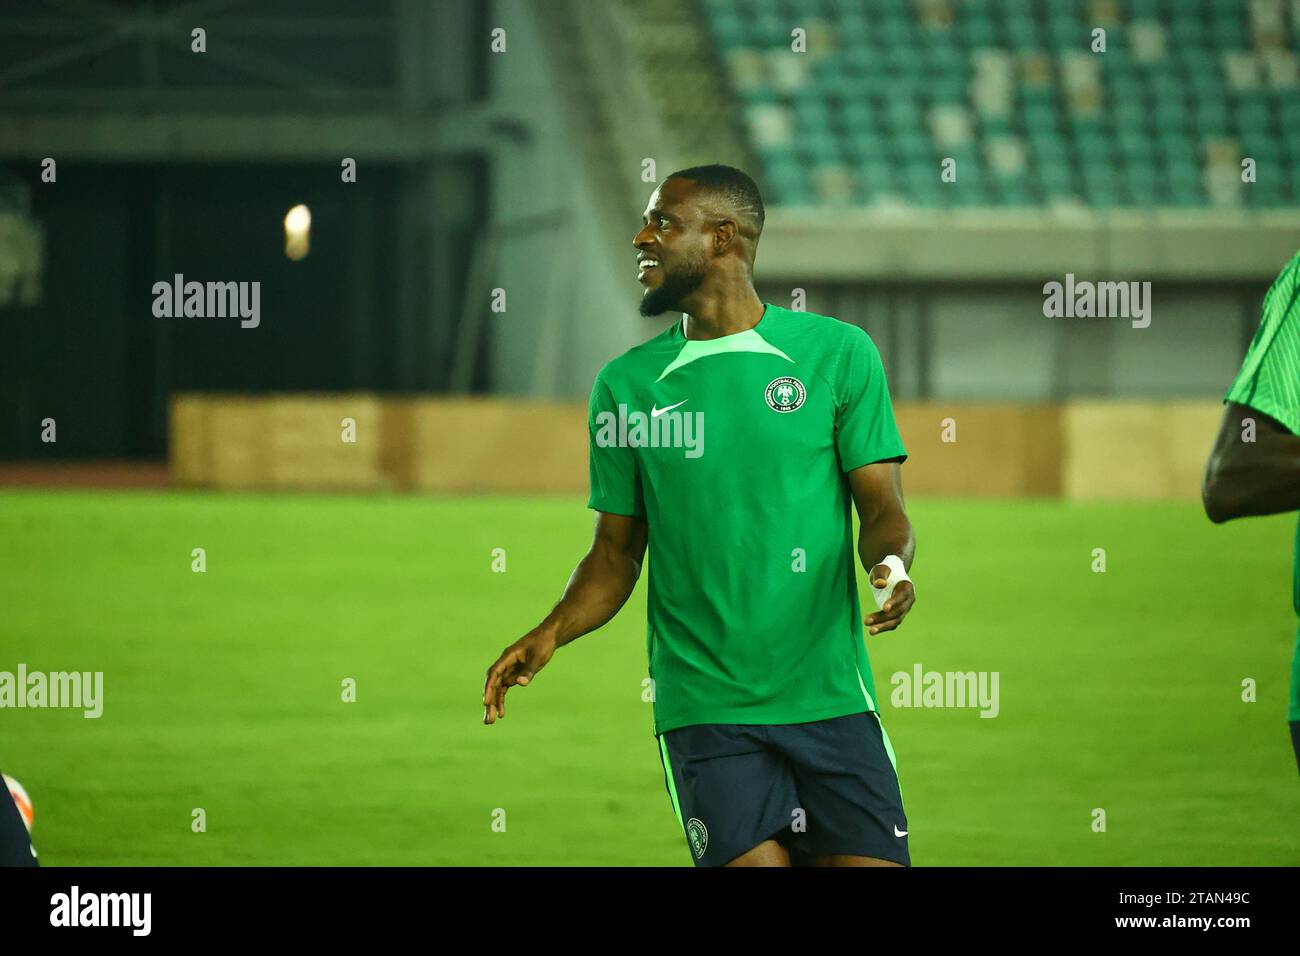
655, 411
898, 832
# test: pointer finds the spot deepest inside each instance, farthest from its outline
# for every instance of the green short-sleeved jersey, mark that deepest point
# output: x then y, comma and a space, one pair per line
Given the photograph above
735, 450
1269, 381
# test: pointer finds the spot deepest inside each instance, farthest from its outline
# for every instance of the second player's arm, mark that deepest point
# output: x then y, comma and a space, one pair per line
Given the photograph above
878, 495
1259, 477
600, 585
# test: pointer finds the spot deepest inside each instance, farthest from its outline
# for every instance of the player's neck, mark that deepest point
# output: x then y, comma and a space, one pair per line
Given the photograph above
723, 316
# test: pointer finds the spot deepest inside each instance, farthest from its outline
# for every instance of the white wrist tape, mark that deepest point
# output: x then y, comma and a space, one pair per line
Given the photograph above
896, 573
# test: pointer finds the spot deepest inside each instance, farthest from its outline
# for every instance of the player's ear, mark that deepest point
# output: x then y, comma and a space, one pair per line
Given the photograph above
724, 234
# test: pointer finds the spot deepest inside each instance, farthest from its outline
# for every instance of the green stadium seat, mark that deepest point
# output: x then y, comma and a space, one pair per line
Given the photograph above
1229, 29
948, 87
1147, 9
976, 30
1173, 116
1181, 84
913, 145
1023, 33
1211, 117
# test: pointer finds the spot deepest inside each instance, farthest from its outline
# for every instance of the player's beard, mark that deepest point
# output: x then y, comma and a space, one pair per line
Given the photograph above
674, 287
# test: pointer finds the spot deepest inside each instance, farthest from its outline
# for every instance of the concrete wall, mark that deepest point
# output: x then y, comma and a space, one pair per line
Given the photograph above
566, 262
991, 342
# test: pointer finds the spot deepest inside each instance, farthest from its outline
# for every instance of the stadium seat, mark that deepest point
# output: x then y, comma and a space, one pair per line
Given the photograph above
1013, 90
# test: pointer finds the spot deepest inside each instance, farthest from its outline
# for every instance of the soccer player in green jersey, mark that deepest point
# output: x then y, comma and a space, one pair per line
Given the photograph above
1254, 468
735, 444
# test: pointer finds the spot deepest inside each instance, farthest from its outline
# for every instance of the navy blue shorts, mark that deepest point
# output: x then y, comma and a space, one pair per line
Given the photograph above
820, 788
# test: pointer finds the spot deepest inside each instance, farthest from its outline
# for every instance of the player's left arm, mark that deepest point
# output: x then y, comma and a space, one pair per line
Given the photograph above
878, 495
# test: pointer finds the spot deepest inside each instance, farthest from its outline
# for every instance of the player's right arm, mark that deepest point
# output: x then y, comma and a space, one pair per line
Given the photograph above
1260, 476
598, 587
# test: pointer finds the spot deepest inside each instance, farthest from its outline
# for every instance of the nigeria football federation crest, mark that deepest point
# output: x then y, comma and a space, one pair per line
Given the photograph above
698, 835
785, 394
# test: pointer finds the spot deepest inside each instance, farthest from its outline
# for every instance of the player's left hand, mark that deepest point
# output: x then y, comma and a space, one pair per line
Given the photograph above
900, 602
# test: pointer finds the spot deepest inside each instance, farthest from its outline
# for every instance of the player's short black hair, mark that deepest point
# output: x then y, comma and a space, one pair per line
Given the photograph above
729, 184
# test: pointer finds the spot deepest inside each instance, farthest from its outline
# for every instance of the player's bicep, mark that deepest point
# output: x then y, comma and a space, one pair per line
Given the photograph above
1253, 467
621, 536
877, 489
1243, 433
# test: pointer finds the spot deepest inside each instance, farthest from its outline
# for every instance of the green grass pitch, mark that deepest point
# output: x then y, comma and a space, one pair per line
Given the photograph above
1119, 690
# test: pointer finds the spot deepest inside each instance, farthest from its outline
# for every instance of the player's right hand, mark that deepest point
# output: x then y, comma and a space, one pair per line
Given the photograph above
517, 664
